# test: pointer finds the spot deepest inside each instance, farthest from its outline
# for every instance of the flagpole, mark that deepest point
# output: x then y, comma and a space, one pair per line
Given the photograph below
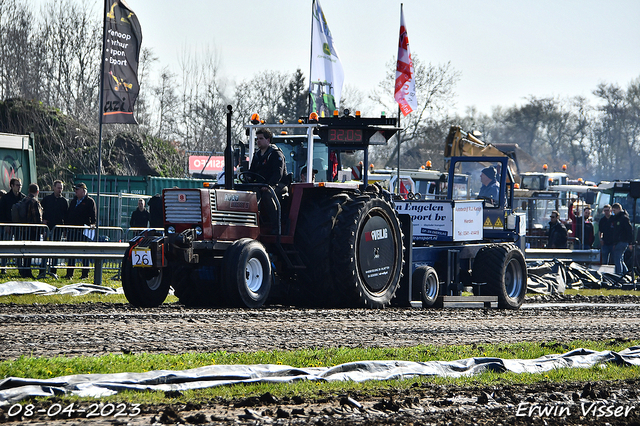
311, 58
97, 274
399, 138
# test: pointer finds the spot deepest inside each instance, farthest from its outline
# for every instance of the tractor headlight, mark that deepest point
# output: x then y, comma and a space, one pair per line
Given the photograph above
198, 230
171, 230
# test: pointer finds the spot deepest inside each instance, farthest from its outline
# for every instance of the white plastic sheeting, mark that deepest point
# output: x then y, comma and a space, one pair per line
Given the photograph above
14, 389
38, 287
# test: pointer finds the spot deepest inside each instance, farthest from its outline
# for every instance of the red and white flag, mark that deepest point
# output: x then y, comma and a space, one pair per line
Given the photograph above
405, 93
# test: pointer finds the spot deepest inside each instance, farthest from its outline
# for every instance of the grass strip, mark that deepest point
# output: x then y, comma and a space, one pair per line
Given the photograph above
32, 367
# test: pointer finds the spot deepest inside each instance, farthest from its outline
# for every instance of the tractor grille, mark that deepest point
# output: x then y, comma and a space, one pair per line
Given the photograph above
188, 211
230, 217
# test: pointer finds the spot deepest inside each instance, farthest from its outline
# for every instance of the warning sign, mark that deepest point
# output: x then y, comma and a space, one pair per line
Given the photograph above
498, 224
487, 223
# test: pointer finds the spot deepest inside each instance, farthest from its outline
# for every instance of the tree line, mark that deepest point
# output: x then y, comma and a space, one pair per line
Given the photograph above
53, 56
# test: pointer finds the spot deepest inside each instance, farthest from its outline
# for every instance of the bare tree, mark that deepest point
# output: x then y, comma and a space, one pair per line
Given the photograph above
19, 56
435, 91
72, 72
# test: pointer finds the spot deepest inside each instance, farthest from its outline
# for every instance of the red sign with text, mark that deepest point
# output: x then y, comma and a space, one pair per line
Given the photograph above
213, 164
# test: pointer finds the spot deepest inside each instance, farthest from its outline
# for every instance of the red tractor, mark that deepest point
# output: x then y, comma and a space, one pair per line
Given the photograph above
336, 244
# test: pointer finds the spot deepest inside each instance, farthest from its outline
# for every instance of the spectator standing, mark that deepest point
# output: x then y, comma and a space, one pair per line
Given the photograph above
155, 212
577, 223
140, 216
81, 212
606, 236
34, 216
6, 203
622, 237
557, 232
55, 208
12, 197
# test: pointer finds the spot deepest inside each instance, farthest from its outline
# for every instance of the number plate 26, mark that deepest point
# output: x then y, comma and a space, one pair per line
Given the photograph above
141, 257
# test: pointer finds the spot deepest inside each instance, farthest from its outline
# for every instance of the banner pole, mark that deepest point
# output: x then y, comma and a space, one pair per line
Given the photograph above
97, 274
311, 59
399, 138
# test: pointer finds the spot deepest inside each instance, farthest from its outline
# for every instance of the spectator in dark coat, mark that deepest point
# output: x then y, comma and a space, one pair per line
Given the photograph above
82, 211
155, 212
577, 226
6, 203
140, 216
34, 216
622, 237
12, 197
557, 232
606, 236
55, 208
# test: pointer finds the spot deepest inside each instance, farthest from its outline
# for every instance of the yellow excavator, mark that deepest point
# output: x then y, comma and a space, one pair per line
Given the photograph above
467, 144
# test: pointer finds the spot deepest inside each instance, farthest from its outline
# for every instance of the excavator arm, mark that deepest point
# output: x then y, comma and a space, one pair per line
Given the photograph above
464, 144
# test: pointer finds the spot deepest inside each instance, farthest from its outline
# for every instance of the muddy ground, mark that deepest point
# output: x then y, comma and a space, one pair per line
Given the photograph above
96, 329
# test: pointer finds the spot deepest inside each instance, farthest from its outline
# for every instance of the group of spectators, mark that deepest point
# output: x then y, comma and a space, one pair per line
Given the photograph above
53, 210
616, 233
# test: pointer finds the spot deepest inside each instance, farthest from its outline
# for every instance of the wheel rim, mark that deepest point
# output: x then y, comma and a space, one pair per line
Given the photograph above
378, 248
513, 279
431, 287
253, 275
155, 282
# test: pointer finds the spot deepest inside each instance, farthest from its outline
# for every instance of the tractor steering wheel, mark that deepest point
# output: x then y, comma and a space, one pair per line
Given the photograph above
251, 177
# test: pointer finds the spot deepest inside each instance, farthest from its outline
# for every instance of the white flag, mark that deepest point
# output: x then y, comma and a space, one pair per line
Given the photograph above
405, 93
325, 82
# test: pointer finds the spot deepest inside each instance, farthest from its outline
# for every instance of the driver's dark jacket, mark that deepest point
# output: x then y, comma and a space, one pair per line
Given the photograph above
271, 166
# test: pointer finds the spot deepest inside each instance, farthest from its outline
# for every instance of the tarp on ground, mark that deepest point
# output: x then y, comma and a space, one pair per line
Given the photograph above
37, 287
14, 389
555, 276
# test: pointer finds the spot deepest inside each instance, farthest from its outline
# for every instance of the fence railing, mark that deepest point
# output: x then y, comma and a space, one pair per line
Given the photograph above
33, 248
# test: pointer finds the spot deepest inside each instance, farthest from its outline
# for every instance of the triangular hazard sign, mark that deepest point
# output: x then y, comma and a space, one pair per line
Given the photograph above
498, 223
487, 223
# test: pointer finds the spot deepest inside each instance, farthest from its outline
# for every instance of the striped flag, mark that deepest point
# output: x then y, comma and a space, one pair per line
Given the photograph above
326, 77
405, 92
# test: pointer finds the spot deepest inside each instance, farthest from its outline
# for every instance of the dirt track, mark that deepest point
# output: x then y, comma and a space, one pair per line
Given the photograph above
49, 330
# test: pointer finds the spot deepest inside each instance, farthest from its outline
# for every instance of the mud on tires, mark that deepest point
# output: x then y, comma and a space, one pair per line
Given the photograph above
366, 253
503, 269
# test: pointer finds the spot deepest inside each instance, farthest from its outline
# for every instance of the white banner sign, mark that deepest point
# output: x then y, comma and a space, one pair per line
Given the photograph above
435, 220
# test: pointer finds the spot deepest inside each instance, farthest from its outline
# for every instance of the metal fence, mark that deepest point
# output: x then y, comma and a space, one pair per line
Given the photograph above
62, 233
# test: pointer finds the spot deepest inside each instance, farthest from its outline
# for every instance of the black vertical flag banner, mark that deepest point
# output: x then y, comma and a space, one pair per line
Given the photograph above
120, 86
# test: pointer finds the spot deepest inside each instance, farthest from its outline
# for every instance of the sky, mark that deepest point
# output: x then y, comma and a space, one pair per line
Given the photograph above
504, 50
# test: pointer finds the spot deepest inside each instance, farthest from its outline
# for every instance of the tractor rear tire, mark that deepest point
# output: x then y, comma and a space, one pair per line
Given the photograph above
503, 269
426, 278
367, 254
144, 287
247, 274
317, 217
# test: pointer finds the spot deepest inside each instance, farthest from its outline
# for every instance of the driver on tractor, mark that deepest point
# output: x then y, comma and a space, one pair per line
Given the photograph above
269, 163
490, 190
